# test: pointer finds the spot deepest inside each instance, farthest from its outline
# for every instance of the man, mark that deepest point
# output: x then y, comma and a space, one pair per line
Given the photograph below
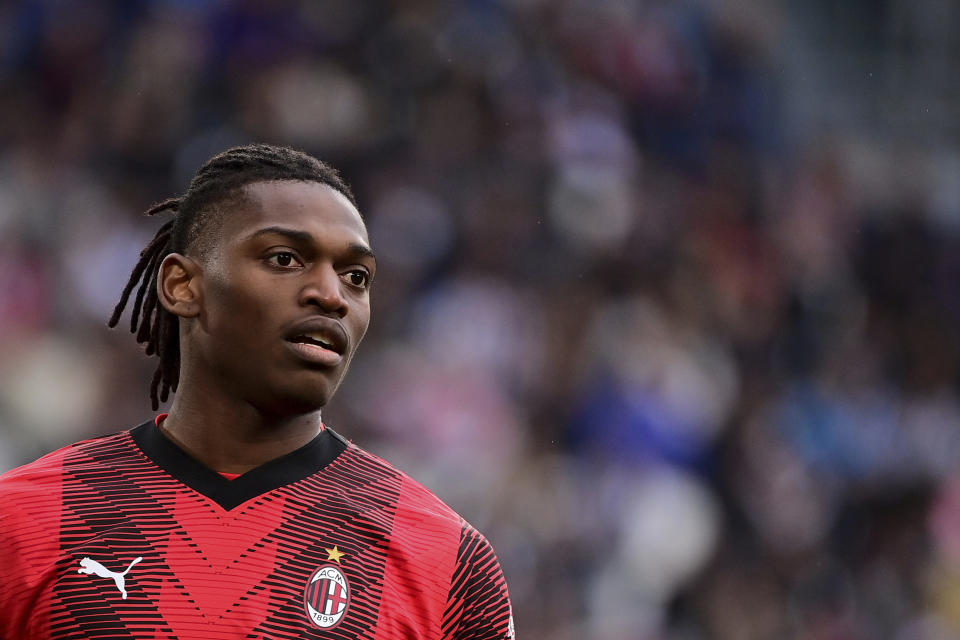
239, 514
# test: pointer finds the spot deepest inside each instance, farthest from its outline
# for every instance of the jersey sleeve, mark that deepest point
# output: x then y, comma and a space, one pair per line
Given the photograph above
478, 604
28, 552
15, 588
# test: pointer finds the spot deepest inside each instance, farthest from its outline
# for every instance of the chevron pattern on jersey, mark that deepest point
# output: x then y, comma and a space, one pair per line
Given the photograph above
143, 544
116, 508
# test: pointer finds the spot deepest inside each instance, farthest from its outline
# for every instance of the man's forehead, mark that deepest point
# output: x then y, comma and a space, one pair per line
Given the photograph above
313, 207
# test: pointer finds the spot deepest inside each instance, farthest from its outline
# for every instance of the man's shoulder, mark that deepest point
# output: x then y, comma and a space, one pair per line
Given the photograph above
411, 494
46, 473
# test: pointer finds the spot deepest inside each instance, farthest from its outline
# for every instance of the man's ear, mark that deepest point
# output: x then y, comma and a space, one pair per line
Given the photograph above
178, 285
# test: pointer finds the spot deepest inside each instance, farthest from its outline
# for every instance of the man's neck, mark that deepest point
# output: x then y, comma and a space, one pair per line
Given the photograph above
235, 437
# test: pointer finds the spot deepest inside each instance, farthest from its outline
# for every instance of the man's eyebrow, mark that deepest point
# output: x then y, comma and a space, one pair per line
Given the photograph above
296, 235
362, 250
293, 234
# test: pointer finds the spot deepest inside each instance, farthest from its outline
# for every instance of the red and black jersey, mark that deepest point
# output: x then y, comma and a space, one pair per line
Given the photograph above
127, 536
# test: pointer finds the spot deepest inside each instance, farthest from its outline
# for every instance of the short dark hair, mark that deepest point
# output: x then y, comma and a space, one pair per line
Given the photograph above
217, 182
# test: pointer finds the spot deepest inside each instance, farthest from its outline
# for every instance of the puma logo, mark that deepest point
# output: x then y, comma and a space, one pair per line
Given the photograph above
89, 566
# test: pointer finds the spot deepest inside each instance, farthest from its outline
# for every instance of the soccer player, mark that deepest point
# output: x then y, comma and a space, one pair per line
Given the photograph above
240, 514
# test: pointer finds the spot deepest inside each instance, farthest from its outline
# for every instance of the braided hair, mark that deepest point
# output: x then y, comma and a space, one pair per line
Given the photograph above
215, 183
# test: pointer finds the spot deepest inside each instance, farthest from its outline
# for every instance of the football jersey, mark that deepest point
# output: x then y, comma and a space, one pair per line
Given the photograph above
127, 536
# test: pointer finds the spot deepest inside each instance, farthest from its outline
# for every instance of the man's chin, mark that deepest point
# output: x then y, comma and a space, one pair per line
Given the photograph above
289, 402
295, 392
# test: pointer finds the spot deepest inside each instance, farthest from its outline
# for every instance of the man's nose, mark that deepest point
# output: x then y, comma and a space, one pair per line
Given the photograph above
324, 289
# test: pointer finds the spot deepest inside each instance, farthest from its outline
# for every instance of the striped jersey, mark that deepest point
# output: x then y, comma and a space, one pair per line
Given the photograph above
128, 537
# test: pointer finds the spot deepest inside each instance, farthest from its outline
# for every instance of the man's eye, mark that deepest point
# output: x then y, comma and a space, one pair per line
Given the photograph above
282, 259
358, 278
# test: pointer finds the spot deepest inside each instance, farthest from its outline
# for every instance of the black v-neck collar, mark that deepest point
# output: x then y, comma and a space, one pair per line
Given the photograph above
229, 494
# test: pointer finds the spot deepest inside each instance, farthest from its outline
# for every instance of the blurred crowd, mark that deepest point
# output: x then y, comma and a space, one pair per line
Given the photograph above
667, 297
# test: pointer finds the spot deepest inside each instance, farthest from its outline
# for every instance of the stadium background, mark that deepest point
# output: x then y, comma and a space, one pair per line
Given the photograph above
667, 295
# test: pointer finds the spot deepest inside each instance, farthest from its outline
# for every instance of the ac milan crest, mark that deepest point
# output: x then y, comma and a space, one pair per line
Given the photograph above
327, 597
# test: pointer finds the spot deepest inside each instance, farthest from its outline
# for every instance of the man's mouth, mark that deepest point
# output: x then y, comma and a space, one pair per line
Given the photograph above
319, 341
316, 339
317, 350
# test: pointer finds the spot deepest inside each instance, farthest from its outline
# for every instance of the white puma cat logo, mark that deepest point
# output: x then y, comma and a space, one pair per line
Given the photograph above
89, 566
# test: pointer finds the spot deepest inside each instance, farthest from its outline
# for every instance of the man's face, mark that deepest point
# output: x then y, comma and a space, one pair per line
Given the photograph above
286, 297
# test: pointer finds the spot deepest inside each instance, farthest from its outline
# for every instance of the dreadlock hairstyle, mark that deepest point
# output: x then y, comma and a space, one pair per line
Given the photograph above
215, 183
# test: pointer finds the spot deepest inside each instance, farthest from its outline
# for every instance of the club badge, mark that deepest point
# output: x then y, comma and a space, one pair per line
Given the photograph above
327, 597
